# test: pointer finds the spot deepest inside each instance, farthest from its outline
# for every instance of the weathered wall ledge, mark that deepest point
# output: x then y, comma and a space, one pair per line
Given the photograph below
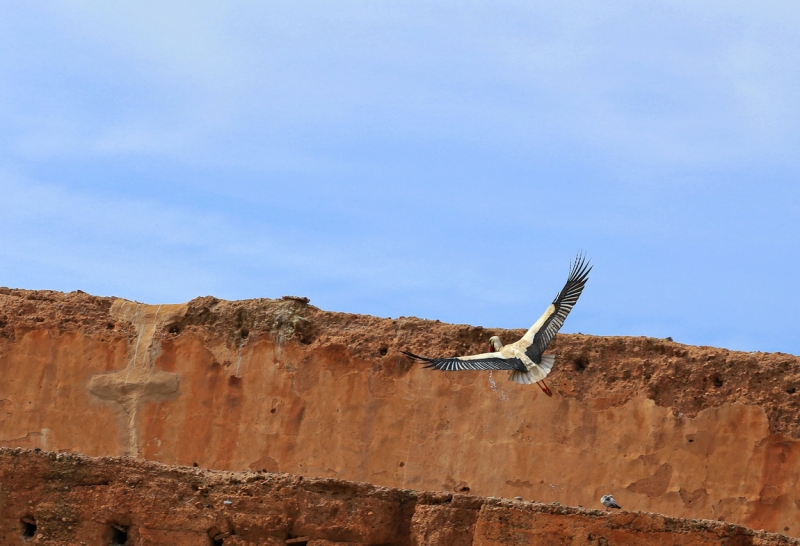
66, 499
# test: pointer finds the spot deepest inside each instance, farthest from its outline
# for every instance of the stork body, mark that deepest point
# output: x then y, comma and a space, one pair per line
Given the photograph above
534, 370
524, 357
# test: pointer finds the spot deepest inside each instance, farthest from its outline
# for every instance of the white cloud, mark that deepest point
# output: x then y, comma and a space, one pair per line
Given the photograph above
680, 85
150, 249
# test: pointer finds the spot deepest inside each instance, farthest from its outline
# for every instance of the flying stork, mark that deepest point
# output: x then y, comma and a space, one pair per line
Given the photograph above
524, 357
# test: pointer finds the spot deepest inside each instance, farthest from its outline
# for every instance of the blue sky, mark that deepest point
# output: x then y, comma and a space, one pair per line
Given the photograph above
444, 160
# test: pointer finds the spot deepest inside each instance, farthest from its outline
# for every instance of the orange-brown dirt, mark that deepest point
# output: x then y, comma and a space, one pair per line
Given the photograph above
67, 499
281, 386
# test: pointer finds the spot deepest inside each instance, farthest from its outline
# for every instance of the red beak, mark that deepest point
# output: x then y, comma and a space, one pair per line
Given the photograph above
545, 388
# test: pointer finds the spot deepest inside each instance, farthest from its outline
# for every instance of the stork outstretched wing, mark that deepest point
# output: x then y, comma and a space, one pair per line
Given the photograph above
485, 361
544, 330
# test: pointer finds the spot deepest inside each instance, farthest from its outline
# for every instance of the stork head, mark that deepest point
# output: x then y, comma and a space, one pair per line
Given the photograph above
495, 343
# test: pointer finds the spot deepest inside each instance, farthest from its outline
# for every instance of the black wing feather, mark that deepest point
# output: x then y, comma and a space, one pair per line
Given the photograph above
564, 302
456, 364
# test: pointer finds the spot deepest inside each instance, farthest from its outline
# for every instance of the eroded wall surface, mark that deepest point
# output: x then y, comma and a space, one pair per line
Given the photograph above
280, 386
51, 499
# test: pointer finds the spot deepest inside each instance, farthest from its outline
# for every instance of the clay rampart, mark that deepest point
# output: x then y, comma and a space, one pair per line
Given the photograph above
55, 499
281, 386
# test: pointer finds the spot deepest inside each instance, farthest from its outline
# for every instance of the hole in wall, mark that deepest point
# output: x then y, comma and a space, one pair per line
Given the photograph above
580, 364
717, 381
28, 524
244, 333
119, 534
174, 329
383, 350
791, 390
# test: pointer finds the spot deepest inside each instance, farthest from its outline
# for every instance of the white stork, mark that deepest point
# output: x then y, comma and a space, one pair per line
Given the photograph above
524, 357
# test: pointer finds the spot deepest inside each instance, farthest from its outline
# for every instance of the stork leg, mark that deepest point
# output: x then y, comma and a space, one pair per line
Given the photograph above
544, 387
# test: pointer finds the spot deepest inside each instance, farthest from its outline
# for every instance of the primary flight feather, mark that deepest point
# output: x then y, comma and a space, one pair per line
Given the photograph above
524, 357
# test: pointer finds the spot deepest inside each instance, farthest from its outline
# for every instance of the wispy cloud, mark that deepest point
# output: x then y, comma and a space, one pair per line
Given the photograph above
150, 249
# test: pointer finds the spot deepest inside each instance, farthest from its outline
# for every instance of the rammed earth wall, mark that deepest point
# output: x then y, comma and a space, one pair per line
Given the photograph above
281, 386
63, 499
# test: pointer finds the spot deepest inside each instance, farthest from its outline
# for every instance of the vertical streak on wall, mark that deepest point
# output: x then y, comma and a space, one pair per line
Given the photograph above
139, 382
411, 433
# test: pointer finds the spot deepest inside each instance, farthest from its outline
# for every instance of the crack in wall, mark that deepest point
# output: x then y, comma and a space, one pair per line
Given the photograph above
45, 432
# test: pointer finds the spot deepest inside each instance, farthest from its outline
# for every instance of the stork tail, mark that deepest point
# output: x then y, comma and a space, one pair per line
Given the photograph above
536, 375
